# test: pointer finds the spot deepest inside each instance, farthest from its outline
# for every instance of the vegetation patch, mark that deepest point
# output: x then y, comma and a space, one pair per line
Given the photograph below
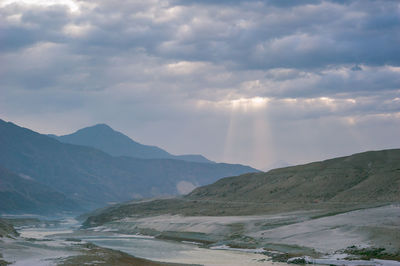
7, 230
282, 252
3, 262
371, 253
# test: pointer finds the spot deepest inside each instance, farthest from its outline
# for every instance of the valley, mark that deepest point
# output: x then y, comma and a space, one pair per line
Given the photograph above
361, 237
65, 244
198, 132
341, 211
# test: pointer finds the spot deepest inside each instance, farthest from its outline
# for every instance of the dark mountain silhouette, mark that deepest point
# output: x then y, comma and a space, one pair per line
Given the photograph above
94, 178
104, 138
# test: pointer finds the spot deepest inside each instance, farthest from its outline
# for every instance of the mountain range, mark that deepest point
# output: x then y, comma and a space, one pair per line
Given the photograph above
106, 139
90, 177
357, 181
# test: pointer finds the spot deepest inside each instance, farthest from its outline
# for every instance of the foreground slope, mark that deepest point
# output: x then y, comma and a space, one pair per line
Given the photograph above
104, 138
356, 181
94, 178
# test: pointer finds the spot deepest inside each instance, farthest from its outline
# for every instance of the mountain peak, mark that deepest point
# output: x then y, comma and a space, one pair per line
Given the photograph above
100, 126
103, 137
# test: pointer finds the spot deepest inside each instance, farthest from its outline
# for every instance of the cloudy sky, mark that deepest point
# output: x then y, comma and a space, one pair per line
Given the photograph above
264, 83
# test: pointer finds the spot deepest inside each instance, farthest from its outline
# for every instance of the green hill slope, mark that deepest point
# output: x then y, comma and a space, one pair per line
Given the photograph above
360, 180
365, 177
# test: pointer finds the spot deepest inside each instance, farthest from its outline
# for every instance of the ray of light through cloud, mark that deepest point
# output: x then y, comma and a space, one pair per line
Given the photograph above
264, 83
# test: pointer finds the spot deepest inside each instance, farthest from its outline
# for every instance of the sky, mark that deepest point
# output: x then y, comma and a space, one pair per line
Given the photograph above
263, 83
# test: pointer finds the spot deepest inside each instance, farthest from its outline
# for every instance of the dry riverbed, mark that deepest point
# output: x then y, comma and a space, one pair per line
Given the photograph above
35, 252
371, 233
362, 237
62, 246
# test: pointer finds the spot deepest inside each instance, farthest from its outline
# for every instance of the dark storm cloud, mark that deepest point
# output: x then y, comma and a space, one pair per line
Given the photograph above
250, 35
279, 3
255, 35
34, 25
310, 35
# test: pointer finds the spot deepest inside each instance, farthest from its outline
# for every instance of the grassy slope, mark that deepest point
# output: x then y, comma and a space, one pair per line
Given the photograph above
367, 177
336, 185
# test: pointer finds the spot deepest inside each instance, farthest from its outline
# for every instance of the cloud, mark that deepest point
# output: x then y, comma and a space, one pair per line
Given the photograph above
244, 78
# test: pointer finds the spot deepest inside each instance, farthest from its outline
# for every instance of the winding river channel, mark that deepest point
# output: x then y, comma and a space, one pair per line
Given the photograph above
148, 247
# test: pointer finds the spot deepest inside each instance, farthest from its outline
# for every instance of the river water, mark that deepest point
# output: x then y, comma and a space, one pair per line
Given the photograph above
151, 248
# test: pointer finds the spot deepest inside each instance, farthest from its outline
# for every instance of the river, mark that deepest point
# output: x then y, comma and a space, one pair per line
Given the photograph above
146, 247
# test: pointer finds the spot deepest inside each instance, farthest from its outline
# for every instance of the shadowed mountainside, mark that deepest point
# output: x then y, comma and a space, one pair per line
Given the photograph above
104, 138
20, 193
356, 181
94, 178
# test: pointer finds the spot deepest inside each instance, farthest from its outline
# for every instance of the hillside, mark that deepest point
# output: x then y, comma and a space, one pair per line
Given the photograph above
7, 230
106, 139
94, 178
364, 179
22, 194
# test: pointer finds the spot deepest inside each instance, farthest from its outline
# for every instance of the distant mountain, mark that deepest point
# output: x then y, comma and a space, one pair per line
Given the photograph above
22, 194
94, 178
364, 179
104, 138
